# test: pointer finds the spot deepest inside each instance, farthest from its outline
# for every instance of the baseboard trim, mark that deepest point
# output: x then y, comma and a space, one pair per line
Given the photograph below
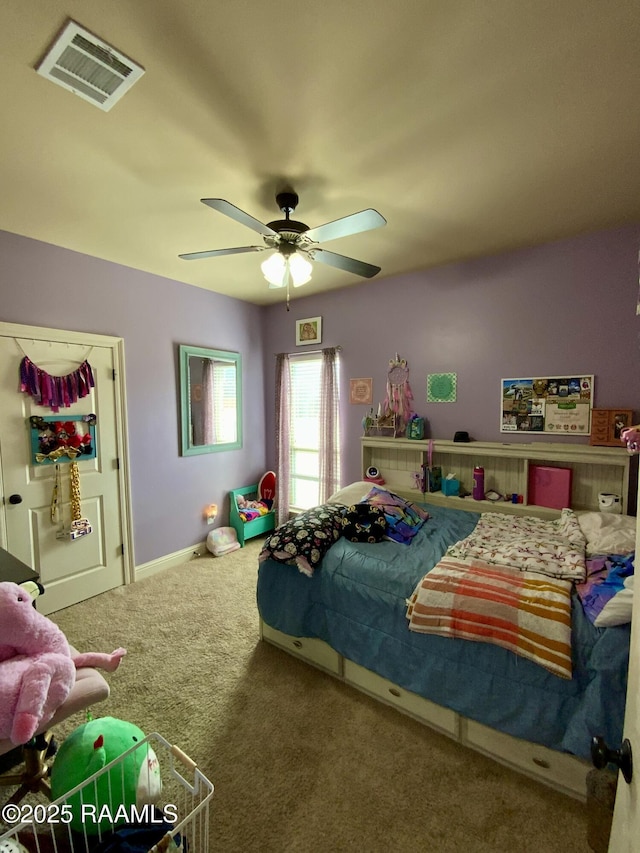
169, 561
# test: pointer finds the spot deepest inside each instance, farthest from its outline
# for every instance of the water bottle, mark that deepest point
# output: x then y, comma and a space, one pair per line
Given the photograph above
478, 483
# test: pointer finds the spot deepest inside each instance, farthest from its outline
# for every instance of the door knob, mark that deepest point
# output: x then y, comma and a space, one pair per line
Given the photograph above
15, 499
601, 755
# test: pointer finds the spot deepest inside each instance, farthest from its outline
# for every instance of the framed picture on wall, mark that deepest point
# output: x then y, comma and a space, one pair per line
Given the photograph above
361, 391
547, 404
308, 331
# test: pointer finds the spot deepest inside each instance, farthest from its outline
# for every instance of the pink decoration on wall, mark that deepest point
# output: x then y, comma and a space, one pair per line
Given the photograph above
399, 395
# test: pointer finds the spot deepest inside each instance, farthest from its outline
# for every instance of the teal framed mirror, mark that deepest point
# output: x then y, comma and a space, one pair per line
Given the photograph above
211, 400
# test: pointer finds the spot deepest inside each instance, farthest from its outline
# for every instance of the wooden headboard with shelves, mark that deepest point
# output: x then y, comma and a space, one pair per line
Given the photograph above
594, 470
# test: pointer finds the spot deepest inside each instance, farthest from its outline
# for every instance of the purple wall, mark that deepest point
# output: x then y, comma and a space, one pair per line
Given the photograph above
565, 308
43, 285
562, 309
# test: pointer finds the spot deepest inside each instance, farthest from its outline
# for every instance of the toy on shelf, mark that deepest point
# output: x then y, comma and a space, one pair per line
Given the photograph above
631, 437
372, 475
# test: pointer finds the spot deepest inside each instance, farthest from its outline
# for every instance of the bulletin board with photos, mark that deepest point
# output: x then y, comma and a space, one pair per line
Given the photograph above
555, 405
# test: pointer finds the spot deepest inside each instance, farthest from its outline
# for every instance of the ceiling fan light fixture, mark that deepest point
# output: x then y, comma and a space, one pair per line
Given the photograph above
275, 268
293, 243
300, 269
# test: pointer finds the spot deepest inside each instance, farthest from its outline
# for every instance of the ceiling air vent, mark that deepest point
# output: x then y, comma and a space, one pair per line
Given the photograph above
83, 64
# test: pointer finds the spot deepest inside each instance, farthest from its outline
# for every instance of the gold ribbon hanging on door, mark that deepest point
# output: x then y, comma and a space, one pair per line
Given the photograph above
79, 526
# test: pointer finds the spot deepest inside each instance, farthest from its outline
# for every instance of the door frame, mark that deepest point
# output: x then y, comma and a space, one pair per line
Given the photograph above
62, 336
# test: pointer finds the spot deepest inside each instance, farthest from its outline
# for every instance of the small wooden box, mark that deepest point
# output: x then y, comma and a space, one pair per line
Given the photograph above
607, 424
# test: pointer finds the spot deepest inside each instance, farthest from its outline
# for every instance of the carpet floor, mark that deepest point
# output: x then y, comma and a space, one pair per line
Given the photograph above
300, 761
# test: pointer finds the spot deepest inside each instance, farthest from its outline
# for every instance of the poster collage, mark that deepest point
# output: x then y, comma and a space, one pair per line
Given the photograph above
551, 404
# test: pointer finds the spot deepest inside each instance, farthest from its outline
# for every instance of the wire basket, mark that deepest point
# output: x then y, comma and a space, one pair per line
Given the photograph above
179, 821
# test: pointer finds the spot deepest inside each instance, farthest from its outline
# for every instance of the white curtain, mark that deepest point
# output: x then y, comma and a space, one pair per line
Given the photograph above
329, 403
283, 421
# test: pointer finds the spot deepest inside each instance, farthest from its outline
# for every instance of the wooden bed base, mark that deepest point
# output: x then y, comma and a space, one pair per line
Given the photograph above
558, 770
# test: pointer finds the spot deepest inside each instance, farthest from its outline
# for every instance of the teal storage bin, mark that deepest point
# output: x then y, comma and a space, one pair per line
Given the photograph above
450, 487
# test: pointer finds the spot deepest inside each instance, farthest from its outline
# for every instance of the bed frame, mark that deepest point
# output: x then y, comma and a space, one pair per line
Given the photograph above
594, 470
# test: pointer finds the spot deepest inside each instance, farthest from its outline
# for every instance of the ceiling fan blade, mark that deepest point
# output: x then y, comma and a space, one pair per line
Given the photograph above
212, 253
240, 216
366, 220
343, 263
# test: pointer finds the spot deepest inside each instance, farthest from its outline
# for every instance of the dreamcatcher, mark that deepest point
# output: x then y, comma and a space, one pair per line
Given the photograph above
399, 394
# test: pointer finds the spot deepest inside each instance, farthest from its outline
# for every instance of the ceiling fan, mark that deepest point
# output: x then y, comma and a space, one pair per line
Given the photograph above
294, 243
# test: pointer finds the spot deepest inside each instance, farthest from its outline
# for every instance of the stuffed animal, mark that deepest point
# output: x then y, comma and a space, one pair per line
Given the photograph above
133, 782
37, 669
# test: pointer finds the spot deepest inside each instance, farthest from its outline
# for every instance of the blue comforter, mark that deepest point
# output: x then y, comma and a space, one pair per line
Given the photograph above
356, 602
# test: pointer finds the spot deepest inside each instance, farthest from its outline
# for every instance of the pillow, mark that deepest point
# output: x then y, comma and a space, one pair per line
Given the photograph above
607, 594
404, 518
364, 523
617, 611
608, 534
304, 540
351, 494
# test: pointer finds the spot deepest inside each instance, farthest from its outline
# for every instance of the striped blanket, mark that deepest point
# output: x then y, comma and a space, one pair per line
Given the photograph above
525, 612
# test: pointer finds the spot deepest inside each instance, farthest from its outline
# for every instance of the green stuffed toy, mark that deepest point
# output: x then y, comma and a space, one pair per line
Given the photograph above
133, 782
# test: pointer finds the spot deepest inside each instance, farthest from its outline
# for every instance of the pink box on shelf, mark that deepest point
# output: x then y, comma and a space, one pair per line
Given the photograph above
549, 486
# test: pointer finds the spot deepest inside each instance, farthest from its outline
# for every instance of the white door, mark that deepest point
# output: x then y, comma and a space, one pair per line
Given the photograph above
36, 528
625, 832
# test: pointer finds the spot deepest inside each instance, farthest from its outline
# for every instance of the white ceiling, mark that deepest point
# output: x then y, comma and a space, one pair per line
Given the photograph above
473, 126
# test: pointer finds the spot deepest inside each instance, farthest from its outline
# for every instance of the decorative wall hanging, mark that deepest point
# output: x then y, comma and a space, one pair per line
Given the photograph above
309, 331
79, 526
55, 392
54, 440
441, 387
361, 391
559, 405
399, 394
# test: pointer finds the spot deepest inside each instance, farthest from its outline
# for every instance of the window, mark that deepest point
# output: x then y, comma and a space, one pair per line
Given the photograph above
223, 391
305, 431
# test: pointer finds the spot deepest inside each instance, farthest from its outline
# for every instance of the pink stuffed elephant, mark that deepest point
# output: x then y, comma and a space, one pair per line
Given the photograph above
37, 669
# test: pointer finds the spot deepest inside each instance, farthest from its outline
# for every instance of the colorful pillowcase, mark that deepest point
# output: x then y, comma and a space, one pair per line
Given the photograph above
304, 540
404, 518
607, 594
364, 523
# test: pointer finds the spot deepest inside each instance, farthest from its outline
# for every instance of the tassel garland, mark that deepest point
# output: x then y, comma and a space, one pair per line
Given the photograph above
56, 392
